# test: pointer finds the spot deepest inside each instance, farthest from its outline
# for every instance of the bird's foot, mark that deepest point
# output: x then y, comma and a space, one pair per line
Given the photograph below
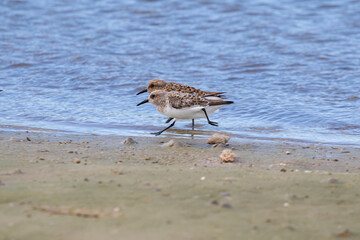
156, 133
213, 123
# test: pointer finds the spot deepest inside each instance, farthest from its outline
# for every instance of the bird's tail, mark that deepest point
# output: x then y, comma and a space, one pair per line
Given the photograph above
220, 102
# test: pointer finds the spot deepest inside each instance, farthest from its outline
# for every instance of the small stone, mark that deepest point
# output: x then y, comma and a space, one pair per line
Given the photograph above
172, 143
283, 170
214, 202
44, 150
129, 141
227, 156
218, 138
86, 179
28, 139
19, 171
291, 196
225, 194
286, 204
76, 160
226, 205
333, 181
344, 234
202, 178
289, 227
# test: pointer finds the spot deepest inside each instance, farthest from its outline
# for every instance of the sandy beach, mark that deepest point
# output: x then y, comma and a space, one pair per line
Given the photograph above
56, 185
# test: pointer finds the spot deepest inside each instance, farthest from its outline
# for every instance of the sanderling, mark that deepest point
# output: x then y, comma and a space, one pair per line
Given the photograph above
159, 84
179, 105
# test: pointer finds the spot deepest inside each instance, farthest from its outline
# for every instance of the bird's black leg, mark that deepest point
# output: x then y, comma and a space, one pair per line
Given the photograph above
169, 119
210, 122
160, 132
193, 124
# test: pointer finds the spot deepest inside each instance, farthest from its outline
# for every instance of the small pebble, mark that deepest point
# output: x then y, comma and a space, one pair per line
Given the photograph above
129, 141
225, 194
344, 234
202, 178
333, 181
226, 205
76, 160
172, 143
214, 202
283, 170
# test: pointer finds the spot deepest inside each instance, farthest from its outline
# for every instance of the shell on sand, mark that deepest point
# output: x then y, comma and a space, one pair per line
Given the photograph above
227, 156
218, 138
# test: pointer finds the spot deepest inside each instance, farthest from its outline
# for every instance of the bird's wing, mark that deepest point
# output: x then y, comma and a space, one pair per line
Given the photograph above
171, 86
182, 100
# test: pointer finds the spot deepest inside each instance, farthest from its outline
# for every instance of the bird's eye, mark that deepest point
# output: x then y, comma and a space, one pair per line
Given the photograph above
152, 96
151, 85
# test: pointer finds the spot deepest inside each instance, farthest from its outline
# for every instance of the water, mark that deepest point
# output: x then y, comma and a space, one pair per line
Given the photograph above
292, 67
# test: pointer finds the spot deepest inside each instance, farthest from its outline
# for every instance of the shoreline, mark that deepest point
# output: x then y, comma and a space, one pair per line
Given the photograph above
182, 134
263, 153
70, 186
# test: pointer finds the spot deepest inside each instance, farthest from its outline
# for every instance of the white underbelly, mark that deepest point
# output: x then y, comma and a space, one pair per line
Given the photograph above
190, 112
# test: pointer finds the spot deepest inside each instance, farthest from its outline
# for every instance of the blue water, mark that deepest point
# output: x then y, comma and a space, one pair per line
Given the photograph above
292, 67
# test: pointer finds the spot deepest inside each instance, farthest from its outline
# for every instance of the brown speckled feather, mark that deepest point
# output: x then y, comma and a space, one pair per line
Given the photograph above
171, 86
180, 100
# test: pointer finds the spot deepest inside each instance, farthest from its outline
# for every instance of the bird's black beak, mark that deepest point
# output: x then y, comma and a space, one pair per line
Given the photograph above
143, 91
145, 101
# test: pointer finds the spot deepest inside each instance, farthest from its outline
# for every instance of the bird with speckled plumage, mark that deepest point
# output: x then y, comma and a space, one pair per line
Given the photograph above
184, 105
159, 84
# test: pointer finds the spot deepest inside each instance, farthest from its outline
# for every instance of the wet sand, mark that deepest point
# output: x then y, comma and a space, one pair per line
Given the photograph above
64, 186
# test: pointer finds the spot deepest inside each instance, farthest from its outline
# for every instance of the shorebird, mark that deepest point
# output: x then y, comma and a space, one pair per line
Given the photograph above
180, 105
159, 84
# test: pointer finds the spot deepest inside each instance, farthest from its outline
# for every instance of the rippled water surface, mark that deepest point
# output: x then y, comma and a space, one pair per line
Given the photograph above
292, 67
